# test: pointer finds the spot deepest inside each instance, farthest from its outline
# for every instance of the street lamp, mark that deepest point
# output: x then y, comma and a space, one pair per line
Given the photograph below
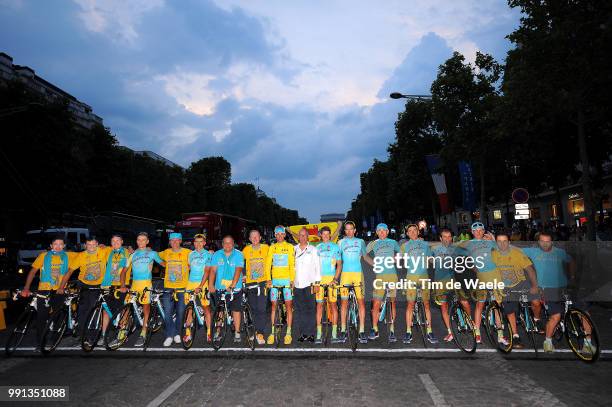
397, 95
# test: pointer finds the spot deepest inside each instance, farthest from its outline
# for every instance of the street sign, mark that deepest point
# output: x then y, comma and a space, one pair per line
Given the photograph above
522, 211
521, 217
520, 196
521, 206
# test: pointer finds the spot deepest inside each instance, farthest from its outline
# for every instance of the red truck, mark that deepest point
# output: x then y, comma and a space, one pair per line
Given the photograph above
215, 226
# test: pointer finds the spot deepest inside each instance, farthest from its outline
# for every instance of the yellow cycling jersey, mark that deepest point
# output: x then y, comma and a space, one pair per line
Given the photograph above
92, 266
511, 265
177, 267
280, 262
55, 276
255, 259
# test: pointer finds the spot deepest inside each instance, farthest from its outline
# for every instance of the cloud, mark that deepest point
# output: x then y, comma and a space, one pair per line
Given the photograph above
289, 93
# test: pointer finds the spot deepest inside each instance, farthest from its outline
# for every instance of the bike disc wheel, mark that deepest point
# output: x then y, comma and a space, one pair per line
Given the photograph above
577, 325
92, 330
54, 331
19, 332
462, 328
119, 328
192, 326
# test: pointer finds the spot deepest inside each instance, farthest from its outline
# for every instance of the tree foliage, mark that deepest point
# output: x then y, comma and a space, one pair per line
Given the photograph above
53, 166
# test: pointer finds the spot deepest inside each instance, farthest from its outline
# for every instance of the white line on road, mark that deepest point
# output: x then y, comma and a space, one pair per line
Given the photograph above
171, 389
312, 350
436, 395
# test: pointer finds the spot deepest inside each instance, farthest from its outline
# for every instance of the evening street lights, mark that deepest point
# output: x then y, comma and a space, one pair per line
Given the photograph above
397, 95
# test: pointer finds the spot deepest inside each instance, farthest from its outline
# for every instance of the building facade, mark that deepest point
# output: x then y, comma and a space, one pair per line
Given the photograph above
82, 112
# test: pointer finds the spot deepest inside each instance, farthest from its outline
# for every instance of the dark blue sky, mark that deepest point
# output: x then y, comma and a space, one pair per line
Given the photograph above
291, 93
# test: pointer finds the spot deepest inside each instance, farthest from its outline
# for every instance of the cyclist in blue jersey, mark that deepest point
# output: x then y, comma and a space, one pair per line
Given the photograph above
141, 263
331, 268
479, 249
380, 250
226, 274
444, 257
419, 254
555, 270
199, 269
352, 250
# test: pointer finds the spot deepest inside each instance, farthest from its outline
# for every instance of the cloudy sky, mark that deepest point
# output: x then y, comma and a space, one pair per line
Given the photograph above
293, 94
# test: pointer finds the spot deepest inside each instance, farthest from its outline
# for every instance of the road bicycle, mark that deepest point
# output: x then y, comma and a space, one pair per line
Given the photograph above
579, 330
65, 317
25, 320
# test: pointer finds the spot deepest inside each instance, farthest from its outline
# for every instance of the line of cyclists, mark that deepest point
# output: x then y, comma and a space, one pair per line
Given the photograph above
305, 276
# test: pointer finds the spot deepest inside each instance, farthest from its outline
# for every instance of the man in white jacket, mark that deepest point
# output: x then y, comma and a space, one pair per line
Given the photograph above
307, 273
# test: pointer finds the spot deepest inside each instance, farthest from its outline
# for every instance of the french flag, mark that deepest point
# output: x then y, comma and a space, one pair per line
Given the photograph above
433, 163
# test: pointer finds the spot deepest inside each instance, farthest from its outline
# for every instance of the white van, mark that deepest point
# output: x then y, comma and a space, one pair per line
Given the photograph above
37, 241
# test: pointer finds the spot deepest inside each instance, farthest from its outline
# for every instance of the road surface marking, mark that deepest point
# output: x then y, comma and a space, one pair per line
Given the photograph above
171, 389
436, 395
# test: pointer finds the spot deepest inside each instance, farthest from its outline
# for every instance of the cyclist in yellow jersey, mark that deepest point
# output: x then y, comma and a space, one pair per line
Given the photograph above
53, 264
255, 256
279, 270
511, 264
175, 278
116, 262
92, 268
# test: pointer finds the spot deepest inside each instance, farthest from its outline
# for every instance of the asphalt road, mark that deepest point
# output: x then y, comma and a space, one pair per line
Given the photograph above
305, 374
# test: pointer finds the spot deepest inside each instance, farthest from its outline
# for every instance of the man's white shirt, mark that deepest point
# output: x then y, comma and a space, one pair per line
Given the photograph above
307, 266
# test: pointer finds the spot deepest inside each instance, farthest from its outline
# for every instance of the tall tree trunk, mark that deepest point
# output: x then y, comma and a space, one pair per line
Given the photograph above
560, 213
483, 198
587, 188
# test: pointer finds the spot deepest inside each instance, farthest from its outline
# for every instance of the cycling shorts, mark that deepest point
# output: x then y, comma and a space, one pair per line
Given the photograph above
441, 295
201, 298
384, 278
332, 292
287, 294
139, 286
411, 293
351, 277
488, 277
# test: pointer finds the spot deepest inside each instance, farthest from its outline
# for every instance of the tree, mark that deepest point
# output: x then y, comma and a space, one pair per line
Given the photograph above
465, 105
559, 77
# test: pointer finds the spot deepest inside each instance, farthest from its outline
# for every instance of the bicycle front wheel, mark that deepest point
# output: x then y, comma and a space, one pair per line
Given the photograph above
19, 332
119, 328
352, 329
249, 326
462, 328
422, 323
279, 319
527, 324
189, 328
498, 328
92, 330
54, 331
325, 322
153, 316
219, 328
582, 335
